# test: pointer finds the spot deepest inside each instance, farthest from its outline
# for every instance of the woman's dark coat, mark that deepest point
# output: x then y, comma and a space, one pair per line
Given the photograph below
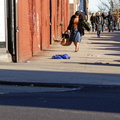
99, 22
92, 19
81, 25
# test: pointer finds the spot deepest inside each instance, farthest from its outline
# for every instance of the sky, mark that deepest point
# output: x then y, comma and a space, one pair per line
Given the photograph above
93, 5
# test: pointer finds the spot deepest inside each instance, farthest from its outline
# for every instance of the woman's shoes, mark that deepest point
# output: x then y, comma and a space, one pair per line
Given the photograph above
76, 50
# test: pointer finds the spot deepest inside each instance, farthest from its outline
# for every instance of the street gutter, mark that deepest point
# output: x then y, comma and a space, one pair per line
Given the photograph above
57, 85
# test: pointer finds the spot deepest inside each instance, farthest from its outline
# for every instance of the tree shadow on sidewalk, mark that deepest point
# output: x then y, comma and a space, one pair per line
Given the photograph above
100, 63
111, 42
96, 63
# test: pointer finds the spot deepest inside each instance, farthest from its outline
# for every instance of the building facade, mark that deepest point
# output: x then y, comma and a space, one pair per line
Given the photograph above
84, 5
33, 25
74, 6
116, 13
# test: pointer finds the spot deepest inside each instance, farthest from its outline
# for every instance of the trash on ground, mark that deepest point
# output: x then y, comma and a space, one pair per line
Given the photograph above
64, 56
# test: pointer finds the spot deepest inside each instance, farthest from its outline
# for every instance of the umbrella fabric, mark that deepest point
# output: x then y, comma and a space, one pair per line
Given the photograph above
64, 56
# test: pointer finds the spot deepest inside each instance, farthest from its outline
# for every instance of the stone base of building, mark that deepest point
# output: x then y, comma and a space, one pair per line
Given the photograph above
5, 57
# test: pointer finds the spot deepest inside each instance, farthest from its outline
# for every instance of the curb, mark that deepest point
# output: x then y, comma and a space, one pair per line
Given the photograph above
57, 85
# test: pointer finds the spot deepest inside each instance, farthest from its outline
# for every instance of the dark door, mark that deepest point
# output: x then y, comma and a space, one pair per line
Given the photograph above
11, 23
50, 21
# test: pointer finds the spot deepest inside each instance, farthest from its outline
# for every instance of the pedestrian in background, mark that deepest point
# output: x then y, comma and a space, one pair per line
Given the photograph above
92, 19
103, 24
110, 22
99, 23
76, 28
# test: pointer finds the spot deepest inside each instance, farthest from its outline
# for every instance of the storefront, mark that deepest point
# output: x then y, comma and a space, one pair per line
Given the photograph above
11, 28
7, 31
3, 33
4, 54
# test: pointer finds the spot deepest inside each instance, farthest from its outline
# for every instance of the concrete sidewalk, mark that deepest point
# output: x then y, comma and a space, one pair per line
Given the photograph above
96, 63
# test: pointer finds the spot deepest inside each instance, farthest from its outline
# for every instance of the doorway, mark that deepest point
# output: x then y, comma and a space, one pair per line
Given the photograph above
11, 28
51, 22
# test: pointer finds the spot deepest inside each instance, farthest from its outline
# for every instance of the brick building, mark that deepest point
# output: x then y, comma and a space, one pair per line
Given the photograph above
74, 6
39, 23
116, 13
33, 25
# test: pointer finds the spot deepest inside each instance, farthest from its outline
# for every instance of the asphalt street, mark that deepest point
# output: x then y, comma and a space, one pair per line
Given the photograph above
80, 104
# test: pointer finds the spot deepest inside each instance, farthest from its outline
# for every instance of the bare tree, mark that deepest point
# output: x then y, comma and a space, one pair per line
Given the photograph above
104, 6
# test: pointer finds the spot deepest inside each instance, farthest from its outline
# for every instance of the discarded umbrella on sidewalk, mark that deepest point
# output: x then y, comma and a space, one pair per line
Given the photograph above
64, 56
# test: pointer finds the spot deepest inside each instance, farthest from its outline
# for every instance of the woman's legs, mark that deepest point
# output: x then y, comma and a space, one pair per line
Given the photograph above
75, 38
93, 27
98, 33
76, 46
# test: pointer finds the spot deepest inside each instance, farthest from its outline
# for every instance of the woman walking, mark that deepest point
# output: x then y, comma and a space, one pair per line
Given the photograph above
92, 19
76, 27
99, 22
110, 22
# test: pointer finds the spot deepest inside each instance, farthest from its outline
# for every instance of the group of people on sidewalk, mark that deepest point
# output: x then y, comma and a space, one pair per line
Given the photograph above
98, 22
77, 25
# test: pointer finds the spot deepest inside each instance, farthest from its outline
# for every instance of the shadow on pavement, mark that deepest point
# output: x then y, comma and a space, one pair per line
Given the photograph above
97, 100
113, 54
86, 99
100, 63
110, 42
96, 63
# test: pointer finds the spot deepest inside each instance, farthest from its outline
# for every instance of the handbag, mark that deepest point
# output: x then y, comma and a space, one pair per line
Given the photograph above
65, 42
65, 39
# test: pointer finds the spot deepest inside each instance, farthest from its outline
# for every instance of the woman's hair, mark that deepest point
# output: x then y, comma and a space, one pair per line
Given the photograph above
81, 18
77, 13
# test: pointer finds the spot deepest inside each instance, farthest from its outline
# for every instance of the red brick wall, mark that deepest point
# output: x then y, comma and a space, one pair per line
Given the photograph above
34, 25
54, 19
59, 20
60, 14
45, 23
29, 42
25, 29
66, 14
